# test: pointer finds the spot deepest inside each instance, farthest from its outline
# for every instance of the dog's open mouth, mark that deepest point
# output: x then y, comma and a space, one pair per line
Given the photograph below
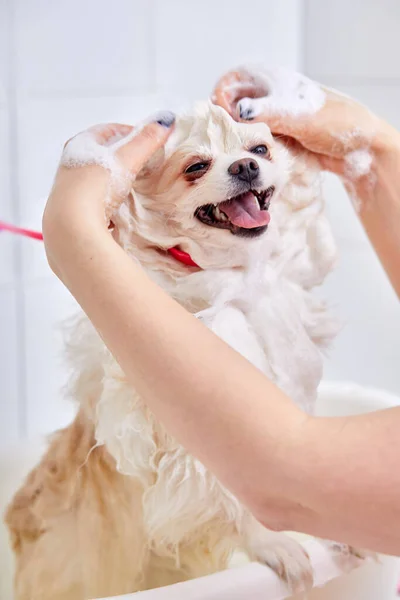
245, 215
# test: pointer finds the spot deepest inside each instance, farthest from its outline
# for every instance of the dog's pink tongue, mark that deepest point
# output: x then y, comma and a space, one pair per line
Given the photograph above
245, 212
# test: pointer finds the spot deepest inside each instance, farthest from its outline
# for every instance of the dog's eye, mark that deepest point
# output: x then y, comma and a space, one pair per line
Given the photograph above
199, 166
260, 149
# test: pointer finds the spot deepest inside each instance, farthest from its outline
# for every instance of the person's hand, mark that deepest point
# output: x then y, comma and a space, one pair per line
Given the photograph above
342, 133
345, 137
96, 172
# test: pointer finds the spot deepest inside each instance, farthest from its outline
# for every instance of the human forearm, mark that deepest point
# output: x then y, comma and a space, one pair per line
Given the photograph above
349, 480
379, 208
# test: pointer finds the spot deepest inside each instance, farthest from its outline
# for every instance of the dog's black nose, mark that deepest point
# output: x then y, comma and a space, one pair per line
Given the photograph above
245, 169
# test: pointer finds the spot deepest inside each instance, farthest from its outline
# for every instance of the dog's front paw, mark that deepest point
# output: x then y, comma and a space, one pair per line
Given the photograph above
286, 557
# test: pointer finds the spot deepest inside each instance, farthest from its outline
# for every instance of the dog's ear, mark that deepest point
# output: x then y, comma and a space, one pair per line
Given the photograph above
152, 165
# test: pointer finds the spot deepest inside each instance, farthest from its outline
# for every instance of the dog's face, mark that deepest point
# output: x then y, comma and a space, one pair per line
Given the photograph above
209, 190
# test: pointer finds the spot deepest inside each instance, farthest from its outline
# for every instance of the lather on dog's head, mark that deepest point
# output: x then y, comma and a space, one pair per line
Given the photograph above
207, 192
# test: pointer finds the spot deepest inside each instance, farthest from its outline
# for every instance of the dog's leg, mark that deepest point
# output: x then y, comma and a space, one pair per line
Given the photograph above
281, 553
208, 550
62, 565
76, 524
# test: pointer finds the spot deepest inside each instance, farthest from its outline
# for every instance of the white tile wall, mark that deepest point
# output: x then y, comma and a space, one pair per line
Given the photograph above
356, 39
9, 385
46, 305
7, 245
354, 46
9, 326
340, 211
83, 46
7, 242
367, 350
4, 50
196, 42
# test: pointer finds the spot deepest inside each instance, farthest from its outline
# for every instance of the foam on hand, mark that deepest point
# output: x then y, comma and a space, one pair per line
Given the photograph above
86, 149
286, 93
358, 163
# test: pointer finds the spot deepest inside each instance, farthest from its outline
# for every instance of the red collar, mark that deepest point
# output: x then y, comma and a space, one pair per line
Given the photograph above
179, 255
182, 257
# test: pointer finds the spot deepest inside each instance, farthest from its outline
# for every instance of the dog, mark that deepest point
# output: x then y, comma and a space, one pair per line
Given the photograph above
116, 505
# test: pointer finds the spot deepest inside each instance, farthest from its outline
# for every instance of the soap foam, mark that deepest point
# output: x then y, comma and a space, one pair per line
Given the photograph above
85, 149
286, 93
358, 163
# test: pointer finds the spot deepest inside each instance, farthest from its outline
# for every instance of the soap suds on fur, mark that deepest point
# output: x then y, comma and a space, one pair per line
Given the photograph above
286, 93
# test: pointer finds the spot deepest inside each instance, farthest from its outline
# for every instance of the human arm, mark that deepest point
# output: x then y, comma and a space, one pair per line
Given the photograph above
288, 468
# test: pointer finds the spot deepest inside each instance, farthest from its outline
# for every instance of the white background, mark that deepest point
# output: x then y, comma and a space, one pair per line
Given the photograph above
67, 64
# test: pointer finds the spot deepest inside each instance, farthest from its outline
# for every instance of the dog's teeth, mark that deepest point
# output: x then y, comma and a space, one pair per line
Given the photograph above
220, 215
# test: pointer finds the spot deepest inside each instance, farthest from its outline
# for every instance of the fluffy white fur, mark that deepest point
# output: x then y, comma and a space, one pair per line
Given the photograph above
256, 295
